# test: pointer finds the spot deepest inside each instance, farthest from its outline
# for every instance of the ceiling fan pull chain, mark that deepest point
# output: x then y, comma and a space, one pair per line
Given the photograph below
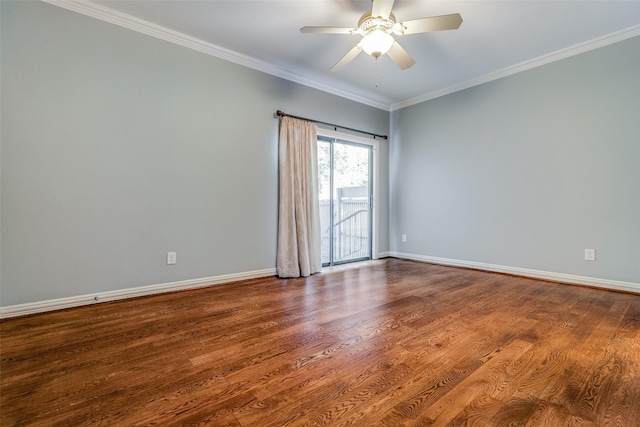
376, 76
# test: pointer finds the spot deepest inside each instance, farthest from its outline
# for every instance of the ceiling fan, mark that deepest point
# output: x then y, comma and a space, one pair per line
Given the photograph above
376, 28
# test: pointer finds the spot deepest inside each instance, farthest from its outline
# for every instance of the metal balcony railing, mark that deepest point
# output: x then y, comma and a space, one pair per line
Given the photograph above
350, 232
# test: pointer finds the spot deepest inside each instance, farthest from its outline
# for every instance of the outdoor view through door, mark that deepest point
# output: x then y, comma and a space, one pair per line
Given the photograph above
344, 181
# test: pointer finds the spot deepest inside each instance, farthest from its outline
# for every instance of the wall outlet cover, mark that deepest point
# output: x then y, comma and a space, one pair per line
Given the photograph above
171, 258
589, 254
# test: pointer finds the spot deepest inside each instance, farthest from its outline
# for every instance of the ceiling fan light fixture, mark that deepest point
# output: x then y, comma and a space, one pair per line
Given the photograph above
377, 42
376, 27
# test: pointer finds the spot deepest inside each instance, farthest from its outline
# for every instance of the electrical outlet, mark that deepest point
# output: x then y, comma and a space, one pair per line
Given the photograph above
589, 254
171, 258
404, 238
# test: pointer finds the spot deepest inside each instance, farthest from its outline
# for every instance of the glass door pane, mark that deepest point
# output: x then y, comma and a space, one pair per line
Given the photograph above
350, 202
345, 200
324, 186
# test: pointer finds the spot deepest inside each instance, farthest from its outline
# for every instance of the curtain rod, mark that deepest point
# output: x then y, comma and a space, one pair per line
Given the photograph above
280, 113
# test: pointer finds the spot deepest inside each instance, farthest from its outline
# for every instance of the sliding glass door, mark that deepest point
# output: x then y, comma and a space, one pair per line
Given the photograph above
344, 179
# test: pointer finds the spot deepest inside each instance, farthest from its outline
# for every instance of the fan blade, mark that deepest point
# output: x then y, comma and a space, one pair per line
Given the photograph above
381, 8
433, 23
347, 58
328, 30
400, 56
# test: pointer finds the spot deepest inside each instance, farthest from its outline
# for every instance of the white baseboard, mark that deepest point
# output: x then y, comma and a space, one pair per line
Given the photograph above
80, 300
536, 274
76, 301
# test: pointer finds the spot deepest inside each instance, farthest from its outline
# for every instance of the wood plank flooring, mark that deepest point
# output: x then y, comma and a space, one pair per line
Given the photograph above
384, 343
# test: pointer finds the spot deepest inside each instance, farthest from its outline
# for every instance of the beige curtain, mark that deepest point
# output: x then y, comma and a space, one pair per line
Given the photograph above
299, 221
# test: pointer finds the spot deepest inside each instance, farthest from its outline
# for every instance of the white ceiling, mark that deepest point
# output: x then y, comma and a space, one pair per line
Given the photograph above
495, 39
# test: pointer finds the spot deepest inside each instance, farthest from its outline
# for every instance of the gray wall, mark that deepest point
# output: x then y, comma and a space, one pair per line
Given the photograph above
117, 147
526, 171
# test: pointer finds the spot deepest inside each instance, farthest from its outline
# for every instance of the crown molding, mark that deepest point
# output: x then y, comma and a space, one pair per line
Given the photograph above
527, 65
106, 14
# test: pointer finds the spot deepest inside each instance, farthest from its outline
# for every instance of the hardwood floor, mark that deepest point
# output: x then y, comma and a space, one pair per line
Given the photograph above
388, 343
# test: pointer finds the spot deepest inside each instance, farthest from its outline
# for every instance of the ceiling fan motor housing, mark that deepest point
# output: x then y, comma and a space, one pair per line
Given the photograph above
376, 32
368, 23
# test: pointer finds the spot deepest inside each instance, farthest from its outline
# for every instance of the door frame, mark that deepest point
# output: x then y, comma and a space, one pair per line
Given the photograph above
374, 144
